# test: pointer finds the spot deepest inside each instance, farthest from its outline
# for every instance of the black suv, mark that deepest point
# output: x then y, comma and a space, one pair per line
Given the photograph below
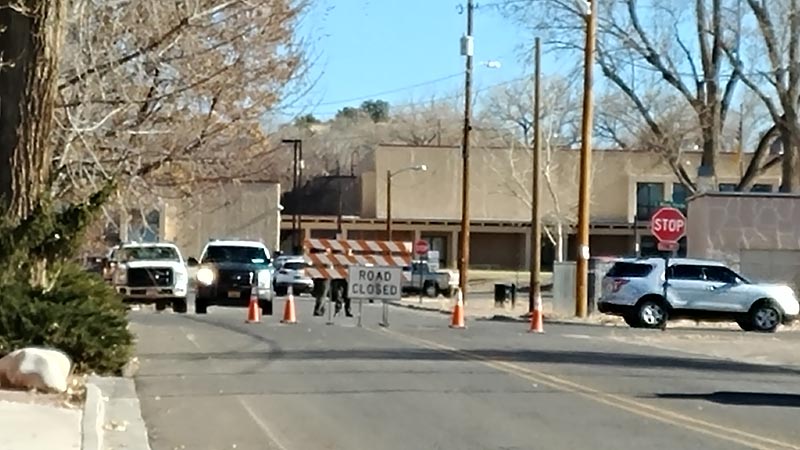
229, 272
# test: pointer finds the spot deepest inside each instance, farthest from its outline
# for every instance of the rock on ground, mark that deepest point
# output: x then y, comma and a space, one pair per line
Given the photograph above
35, 368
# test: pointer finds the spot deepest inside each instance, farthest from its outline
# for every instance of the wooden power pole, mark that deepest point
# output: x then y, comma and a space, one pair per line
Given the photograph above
534, 298
466, 50
584, 195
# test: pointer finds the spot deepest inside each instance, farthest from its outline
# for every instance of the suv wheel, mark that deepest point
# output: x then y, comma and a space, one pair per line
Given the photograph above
200, 306
161, 305
430, 290
765, 317
179, 305
651, 314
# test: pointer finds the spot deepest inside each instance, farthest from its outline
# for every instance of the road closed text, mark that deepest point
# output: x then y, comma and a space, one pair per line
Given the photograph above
374, 283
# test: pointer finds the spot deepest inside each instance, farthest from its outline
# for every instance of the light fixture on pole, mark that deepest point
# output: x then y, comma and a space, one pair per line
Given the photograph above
389, 175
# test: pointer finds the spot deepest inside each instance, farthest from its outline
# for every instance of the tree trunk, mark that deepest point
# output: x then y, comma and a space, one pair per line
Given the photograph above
30, 45
790, 138
710, 128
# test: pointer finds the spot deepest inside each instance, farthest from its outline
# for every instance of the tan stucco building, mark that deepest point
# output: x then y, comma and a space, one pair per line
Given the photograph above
427, 205
240, 210
758, 234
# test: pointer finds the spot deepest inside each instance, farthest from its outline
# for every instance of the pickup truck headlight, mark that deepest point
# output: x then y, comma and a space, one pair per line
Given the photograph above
120, 276
205, 276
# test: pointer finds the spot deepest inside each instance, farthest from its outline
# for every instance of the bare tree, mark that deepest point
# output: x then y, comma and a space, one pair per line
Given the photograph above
645, 49
775, 46
166, 96
511, 107
30, 48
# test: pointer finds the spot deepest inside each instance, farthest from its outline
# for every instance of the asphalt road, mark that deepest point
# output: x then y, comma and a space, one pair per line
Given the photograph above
215, 382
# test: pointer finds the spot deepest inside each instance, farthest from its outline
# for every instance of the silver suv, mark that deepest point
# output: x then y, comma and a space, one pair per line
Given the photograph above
646, 293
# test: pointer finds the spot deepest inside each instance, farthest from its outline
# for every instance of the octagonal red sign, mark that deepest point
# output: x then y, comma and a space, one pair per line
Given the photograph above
668, 224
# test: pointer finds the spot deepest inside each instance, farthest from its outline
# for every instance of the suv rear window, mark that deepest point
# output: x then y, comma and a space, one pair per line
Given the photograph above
629, 270
235, 254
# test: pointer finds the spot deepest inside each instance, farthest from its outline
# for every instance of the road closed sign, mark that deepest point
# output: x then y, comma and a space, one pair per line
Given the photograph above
374, 283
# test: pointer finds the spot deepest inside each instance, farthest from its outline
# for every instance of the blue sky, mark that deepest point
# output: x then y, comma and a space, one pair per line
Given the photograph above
366, 47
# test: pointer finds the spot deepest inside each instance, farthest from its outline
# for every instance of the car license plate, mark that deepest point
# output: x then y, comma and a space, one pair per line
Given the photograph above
233, 294
151, 293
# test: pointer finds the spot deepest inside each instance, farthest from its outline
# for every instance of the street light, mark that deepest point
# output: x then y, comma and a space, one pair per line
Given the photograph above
297, 174
389, 175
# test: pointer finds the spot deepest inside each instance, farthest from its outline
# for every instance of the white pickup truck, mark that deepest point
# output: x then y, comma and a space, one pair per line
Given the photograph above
150, 273
429, 282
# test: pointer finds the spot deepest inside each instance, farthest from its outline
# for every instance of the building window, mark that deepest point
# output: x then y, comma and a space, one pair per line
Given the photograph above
679, 195
761, 188
649, 197
727, 187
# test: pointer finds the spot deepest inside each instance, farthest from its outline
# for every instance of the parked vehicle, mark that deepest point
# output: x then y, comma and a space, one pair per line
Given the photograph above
291, 271
151, 273
230, 271
429, 282
647, 292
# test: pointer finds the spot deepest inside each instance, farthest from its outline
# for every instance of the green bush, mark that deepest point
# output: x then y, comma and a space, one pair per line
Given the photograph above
79, 314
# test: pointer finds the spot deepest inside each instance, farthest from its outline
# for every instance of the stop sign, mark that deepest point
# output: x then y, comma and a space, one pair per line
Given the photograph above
668, 224
421, 247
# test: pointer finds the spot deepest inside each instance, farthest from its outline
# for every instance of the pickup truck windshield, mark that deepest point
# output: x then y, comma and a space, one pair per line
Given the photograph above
235, 254
145, 253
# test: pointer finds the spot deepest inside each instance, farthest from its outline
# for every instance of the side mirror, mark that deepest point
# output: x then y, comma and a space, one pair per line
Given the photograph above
192, 262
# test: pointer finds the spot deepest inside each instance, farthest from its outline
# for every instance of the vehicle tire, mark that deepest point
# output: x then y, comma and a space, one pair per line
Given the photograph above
200, 306
651, 313
449, 292
430, 290
179, 306
161, 305
765, 317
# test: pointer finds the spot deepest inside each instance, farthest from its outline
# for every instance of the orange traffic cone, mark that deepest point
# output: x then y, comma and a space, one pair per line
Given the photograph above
253, 310
537, 323
458, 312
289, 315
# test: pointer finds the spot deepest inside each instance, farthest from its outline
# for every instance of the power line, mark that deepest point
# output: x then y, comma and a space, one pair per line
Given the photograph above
391, 91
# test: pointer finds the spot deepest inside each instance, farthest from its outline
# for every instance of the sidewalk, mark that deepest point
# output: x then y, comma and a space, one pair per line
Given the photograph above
109, 418
36, 421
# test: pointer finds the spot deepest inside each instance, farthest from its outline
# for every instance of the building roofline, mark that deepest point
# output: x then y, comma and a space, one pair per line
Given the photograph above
498, 147
744, 194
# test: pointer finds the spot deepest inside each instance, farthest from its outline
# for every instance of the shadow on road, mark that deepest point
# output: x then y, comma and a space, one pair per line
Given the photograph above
741, 398
525, 356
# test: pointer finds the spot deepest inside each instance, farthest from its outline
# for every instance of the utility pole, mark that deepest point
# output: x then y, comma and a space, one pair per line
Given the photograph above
300, 206
584, 195
466, 50
388, 205
534, 299
297, 174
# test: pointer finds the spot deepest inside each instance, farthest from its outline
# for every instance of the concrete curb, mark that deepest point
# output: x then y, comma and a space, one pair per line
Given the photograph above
94, 411
113, 416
